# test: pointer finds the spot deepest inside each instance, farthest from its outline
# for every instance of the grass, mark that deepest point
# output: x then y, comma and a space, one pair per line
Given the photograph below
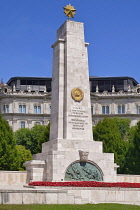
71, 207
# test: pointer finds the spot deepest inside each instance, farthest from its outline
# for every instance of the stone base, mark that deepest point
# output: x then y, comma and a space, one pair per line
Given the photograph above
36, 170
58, 155
70, 195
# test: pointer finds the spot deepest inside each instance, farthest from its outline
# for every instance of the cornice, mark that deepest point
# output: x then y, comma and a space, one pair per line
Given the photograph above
40, 96
116, 115
113, 96
25, 114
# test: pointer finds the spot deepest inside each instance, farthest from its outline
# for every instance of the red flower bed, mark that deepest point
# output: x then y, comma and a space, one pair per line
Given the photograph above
87, 184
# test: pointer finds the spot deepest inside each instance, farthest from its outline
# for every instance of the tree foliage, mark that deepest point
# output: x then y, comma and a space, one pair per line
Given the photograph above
12, 156
44, 137
121, 139
33, 138
110, 133
123, 126
8, 152
23, 137
23, 156
130, 157
137, 149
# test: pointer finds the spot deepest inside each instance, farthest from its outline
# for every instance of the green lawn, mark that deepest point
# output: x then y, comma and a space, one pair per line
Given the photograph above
71, 207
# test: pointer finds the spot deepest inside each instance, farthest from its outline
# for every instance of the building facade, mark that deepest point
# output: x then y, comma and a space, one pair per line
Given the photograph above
26, 101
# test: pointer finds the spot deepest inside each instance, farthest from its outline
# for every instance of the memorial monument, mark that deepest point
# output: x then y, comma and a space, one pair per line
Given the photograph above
71, 153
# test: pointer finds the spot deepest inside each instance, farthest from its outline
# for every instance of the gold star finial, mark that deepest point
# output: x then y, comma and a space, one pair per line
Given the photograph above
69, 11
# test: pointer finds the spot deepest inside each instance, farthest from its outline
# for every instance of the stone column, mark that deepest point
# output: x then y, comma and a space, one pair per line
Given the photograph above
70, 119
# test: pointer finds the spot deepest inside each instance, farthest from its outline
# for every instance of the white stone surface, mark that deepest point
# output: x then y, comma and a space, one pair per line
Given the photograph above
66, 155
12, 178
8, 179
69, 195
70, 70
36, 170
51, 198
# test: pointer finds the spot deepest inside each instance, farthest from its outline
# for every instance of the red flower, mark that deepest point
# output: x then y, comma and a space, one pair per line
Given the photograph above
87, 184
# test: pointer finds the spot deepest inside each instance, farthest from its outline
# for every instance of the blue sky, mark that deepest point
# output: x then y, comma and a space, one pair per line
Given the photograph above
28, 29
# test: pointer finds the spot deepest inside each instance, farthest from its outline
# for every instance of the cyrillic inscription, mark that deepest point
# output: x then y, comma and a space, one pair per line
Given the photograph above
78, 118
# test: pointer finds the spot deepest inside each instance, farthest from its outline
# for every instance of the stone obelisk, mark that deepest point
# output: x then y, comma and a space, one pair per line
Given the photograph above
71, 109
71, 154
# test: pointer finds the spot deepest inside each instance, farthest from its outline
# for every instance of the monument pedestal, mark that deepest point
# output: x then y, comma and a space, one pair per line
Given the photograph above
71, 153
58, 155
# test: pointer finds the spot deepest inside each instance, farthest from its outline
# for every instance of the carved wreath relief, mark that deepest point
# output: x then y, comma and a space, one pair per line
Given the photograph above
83, 171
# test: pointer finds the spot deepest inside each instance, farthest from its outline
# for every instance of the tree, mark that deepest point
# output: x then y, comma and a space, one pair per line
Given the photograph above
44, 137
137, 149
8, 152
107, 131
23, 137
130, 157
123, 125
33, 138
38, 134
23, 156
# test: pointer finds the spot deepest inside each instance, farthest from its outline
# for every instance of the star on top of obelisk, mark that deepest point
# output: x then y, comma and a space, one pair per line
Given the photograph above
69, 11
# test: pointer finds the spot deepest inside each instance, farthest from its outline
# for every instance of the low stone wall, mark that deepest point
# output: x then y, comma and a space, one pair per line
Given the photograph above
128, 178
20, 177
13, 177
70, 195
15, 193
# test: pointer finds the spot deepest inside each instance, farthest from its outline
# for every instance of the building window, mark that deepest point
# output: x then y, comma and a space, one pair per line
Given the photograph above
37, 123
22, 124
92, 109
105, 109
37, 109
121, 109
138, 109
22, 108
6, 108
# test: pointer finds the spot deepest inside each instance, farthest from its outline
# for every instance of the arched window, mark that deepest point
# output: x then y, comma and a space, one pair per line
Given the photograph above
22, 124
6, 108
92, 110
22, 108
121, 109
137, 109
105, 109
37, 109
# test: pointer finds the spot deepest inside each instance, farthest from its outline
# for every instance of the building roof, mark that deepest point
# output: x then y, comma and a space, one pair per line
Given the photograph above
103, 83
90, 78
